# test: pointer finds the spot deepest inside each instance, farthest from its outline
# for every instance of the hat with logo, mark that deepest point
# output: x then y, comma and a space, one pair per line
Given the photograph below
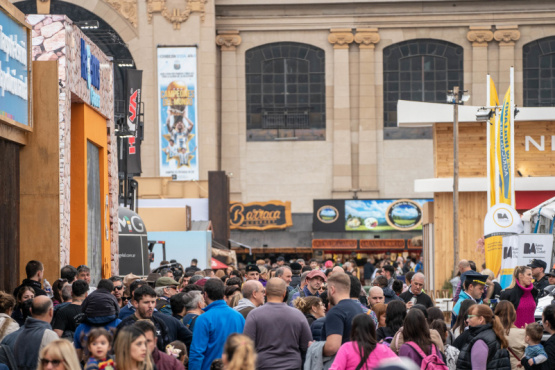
166, 281
316, 273
537, 263
478, 279
251, 268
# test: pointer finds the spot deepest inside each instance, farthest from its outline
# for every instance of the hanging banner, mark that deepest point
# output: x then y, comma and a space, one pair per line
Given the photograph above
505, 148
177, 96
501, 220
520, 250
493, 101
133, 92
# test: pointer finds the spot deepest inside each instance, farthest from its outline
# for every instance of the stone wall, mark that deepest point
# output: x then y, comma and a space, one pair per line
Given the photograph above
56, 38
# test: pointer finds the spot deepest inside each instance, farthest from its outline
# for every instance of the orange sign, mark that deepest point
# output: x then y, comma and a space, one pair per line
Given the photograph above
382, 244
332, 244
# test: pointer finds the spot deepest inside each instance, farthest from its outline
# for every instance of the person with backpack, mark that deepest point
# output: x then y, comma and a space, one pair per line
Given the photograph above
486, 343
418, 344
395, 314
363, 342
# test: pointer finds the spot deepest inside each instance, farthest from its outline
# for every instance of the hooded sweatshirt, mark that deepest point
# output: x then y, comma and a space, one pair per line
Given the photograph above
389, 295
243, 303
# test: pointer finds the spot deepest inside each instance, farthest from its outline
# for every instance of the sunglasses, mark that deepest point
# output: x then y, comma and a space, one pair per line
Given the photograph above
118, 287
125, 298
54, 363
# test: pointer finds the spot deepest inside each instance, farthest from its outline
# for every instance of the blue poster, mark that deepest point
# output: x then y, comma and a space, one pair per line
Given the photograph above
14, 97
381, 215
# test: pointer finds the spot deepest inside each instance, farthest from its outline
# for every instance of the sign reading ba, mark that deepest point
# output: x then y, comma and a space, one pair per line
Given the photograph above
90, 72
14, 72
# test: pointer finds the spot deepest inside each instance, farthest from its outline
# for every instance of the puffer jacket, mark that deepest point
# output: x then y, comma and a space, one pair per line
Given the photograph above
498, 358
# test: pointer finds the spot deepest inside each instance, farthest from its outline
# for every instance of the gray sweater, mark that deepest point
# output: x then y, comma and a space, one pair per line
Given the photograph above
280, 334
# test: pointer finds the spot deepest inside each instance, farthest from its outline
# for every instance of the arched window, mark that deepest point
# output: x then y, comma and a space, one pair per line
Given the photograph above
538, 59
420, 70
285, 92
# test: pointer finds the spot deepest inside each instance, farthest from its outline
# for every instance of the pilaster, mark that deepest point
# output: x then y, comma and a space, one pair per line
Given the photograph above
480, 36
506, 36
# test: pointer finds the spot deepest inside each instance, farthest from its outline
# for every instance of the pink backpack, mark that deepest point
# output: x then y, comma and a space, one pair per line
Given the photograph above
432, 361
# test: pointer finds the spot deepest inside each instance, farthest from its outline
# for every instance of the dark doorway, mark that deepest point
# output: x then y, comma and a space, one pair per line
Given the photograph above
9, 215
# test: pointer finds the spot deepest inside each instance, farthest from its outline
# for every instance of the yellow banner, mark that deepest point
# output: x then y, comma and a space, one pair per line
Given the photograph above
493, 102
503, 151
493, 246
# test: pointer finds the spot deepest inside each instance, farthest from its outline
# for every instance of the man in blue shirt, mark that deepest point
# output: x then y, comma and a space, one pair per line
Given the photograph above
213, 327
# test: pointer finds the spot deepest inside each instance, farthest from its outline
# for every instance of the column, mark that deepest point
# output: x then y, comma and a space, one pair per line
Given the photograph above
342, 173
506, 36
229, 154
367, 38
479, 36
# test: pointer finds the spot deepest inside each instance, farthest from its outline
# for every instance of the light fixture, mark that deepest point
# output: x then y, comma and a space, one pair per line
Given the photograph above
462, 97
125, 63
484, 114
88, 25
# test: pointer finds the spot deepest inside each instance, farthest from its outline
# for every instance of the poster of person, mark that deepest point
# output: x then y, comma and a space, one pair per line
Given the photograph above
177, 96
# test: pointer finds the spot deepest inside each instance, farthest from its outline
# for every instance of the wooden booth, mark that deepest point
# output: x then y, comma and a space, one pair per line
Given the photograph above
534, 177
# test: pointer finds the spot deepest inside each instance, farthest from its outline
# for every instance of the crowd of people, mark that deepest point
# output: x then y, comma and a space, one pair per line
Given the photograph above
280, 315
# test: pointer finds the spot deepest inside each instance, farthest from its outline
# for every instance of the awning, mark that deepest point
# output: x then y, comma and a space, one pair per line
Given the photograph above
217, 265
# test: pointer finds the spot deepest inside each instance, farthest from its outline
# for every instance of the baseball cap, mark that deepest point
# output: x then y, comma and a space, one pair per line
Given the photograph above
165, 281
537, 263
551, 273
253, 268
316, 273
280, 258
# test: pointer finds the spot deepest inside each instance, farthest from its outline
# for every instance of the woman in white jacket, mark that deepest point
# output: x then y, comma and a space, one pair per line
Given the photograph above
7, 324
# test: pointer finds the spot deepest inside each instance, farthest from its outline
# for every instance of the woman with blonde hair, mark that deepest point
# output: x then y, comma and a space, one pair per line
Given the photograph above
515, 336
522, 294
7, 324
311, 307
131, 350
239, 353
56, 353
485, 341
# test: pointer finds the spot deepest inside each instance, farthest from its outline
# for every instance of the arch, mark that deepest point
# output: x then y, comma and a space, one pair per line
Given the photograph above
420, 70
285, 84
538, 64
106, 37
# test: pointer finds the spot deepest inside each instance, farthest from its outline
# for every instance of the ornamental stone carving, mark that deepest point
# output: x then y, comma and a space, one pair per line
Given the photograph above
340, 38
367, 38
506, 35
479, 36
126, 8
228, 40
176, 16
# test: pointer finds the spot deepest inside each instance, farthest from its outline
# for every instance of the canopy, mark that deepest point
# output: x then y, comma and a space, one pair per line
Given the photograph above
217, 265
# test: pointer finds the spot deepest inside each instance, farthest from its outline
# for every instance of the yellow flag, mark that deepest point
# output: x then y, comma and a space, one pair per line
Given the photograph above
503, 152
493, 102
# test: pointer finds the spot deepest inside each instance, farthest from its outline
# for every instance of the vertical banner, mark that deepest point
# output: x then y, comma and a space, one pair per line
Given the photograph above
177, 96
505, 147
493, 101
133, 92
501, 220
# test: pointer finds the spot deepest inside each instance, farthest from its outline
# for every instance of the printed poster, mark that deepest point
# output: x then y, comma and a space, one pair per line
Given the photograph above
177, 97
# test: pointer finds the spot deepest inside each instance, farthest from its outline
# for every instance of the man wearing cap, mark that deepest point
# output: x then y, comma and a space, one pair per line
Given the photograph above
165, 288
473, 289
253, 273
296, 277
541, 280
314, 281
551, 277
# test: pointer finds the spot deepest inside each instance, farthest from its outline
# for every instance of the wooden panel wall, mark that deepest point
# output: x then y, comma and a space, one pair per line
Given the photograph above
40, 176
218, 205
9, 215
471, 219
473, 145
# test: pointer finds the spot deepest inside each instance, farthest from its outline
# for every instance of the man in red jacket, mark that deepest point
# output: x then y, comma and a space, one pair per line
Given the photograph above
161, 360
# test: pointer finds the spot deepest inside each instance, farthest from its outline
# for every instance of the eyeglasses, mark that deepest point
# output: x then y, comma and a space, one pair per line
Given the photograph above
118, 287
471, 316
45, 362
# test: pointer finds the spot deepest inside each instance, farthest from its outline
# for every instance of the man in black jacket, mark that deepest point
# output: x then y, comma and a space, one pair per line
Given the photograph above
538, 272
35, 273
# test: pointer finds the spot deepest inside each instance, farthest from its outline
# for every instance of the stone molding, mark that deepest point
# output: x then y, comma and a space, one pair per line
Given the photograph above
228, 40
340, 37
480, 36
506, 35
367, 38
126, 8
175, 16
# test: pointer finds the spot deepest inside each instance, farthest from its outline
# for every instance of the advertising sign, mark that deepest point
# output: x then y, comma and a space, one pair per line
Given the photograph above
328, 215
379, 215
133, 83
133, 243
504, 151
177, 97
14, 71
260, 216
520, 250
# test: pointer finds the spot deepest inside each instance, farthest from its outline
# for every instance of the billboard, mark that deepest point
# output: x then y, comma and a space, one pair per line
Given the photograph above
177, 97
